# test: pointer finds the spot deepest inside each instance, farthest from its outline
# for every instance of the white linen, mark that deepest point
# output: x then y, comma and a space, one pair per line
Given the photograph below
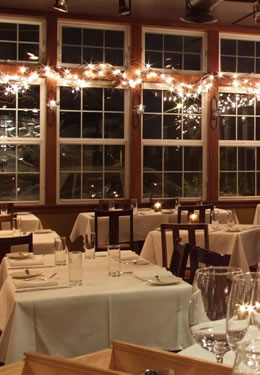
257, 215
29, 222
25, 262
35, 284
244, 246
77, 320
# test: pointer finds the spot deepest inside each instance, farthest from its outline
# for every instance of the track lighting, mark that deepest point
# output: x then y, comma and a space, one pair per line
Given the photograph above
61, 5
124, 7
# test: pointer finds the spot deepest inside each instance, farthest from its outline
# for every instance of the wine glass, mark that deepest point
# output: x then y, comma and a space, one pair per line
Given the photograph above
247, 360
208, 308
239, 308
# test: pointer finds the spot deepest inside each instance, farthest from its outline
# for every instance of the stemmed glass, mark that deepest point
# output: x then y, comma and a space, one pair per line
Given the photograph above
247, 360
239, 308
208, 308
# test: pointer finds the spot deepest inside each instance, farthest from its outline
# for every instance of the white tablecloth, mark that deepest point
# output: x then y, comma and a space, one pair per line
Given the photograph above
257, 215
29, 222
72, 321
244, 246
144, 222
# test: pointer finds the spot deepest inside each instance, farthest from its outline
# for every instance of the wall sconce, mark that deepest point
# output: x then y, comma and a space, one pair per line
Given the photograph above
124, 7
140, 108
52, 106
215, 113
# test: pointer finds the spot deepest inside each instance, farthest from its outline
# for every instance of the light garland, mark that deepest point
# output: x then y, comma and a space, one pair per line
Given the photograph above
130, 78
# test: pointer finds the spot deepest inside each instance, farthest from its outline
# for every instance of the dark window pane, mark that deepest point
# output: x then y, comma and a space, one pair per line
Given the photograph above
7, 158
92, 98
192, 44
170, 103
245, 129
28, 187
70, 158
92, 186
172, 184
153, 41
71, 35
152, 100
155, 59
152, 185
192, 184
173, 43
152, 127
192, 158
228, 183
92, 157
191, 62
32, 99
69, 124
8, 51
245, 104
7, 186
226, 103
114, 100
228, 159
191, 128
68, 99
71, 55
114, 157
257, 129
28, 123
172, 127
29, 33
24, 49
114, 57
114, 185
92, 125
29, 158
70, 185
152, 158
93, 37
227, 127
114, 39
246, 158
245, 48
92, 55
7, 101
173, 60
228, 47
245, 65
7, 124
173, 158
246, 184
8, 31
114, 125
257, 66
228, 64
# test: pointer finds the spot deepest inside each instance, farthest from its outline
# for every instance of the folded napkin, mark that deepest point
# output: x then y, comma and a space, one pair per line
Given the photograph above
25, 262
34, 283
148, 274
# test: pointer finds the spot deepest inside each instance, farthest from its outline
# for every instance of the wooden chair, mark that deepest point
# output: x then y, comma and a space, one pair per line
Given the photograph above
179, 258
190, 210
200, 257
175, 230
113, 224
7, 219
6, 244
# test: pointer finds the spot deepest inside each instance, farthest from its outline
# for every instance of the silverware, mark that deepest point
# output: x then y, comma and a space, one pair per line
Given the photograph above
158, 278
41, 277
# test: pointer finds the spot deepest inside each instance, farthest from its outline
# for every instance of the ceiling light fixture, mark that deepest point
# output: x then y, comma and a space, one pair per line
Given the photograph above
124, 7
61, 5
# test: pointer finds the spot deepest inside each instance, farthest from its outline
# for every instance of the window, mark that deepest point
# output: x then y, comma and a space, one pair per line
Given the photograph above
93, 143
240, 55
174, 51
93, 45
239, 156
172, 145
21, 145
21, 41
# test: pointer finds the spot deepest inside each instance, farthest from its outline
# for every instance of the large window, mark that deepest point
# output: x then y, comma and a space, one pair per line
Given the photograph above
21, 41
22, 145
239, 145
172, 145
92, 143
174, 51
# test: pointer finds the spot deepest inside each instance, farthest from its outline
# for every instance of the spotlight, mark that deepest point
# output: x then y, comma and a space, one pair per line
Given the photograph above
124, 7
61, 5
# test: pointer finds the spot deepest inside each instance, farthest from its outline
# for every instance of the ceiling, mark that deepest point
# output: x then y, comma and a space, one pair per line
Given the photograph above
226, 11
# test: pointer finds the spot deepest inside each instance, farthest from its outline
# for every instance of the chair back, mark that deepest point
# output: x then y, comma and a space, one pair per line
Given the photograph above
200, 256
104, 204
6, 243
191, 209
7, 219
175, 229
179, 258
113, 217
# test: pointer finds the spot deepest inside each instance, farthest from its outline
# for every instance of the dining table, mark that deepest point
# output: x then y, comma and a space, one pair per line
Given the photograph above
144, 221
55, 318
241, 242
29, 222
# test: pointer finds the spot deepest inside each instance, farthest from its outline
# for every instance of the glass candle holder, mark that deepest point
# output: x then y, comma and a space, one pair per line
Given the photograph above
157, 206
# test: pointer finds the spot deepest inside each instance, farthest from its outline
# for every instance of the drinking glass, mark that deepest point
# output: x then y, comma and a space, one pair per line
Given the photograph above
111, 205
89, 241
114, 260
215, 219
208, 308
230, 218
239, 308
247, 359
60, 247
17, 226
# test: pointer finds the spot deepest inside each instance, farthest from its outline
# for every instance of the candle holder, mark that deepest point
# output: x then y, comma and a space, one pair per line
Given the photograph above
194, 218
157, 207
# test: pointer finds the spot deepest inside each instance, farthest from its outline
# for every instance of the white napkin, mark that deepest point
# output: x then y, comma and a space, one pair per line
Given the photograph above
148, 274
34, 283
25, 262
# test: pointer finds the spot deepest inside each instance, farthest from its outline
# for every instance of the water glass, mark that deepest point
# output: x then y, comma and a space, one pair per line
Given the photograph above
111, 205
215, 219
75, 268
247, 359
114, 261
17, 226
134, 206
4, 210
230, 218
60, 247
89, 241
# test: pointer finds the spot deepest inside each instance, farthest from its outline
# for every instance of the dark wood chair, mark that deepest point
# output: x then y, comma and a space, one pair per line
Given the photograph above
7, 219
6, 244
113, 223
200, 257
175, 232
179, 259
201, 209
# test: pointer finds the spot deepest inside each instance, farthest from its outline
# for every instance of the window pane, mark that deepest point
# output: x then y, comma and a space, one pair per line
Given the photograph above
31, 99
152, 158
92, 55
155, 59
114, 158
114, 125
68, 99
70, 185
7, 187
246, 158
71, 35
92, 186
228, 47
92, 157
245, 65
29, 33
246, 128
8, 51
114, 57
92, 98
228, 158
8, 31
25, 49
245, 48
114, 38
70, 158
7, 123
227, 128
7, 158
92, 125
192, 158
28, 187
114, 100
171, 127
152, 185
192, 44
228, 64
152, 100
192, 184
228, 183
191, 62
114, 185
93, 37
192, 127
28, 123
151, 126
173, 43
172, 60
173, 158
71, 55
172, 185
153, 41
69, 124
246, 184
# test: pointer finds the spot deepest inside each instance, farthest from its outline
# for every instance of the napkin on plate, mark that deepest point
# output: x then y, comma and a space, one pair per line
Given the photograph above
25, 262
148, 274
35, 283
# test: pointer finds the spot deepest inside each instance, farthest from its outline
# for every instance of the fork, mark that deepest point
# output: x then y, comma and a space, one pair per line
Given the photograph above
41, 277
